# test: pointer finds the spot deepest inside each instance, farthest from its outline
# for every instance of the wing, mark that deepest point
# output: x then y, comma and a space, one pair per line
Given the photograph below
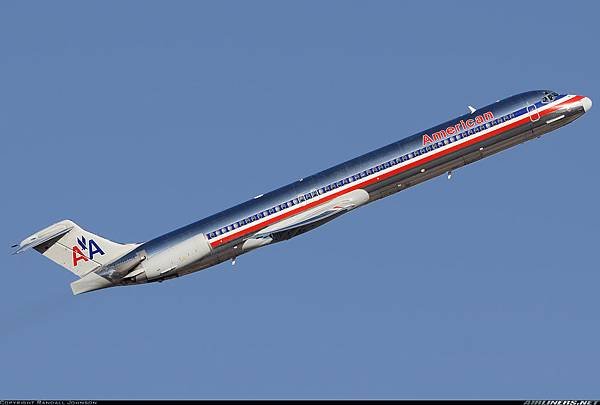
317, 215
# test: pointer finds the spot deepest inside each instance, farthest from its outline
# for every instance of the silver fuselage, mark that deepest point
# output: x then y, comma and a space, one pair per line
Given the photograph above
312, 201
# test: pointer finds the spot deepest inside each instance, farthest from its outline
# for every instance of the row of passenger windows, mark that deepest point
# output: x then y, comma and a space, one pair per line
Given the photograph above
358, 176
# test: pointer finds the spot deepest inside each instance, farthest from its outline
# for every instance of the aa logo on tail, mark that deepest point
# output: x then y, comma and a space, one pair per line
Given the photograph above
91, 246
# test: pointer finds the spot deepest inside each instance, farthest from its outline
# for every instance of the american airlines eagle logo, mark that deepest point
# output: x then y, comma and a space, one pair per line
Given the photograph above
88, 246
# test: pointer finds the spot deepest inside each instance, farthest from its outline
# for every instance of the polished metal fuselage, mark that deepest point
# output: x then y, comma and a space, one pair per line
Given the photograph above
422, 170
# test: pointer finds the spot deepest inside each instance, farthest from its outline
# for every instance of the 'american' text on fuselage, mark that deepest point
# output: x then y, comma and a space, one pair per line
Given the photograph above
455, 129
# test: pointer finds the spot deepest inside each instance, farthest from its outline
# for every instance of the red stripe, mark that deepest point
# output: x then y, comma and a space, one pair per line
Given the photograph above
384, 176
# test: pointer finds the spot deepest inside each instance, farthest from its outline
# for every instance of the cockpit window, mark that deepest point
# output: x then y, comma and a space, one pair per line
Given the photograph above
549, 96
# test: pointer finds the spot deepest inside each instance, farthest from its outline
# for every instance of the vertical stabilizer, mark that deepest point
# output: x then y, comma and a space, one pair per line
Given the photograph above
74, 248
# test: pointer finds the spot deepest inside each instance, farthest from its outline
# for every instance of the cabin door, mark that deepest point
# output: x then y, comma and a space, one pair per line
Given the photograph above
534, 113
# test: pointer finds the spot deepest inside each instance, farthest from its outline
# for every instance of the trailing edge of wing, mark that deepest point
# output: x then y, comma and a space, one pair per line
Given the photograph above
311, 220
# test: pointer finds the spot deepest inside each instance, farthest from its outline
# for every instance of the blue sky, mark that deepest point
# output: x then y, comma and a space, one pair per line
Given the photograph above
134, 118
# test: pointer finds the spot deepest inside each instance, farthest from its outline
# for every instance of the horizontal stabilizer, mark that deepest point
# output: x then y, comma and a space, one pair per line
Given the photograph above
42, 236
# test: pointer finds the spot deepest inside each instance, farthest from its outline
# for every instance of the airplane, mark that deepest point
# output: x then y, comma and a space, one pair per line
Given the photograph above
310, 202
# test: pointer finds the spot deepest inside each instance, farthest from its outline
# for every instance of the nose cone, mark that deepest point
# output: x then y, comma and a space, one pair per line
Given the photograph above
587, 103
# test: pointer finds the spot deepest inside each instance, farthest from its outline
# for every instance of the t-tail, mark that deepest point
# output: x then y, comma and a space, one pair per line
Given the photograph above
77, 250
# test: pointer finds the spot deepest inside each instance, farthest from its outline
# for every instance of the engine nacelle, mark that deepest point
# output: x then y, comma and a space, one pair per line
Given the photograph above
167, 262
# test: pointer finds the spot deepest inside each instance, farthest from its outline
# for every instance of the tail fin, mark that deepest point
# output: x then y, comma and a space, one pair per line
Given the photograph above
74, 248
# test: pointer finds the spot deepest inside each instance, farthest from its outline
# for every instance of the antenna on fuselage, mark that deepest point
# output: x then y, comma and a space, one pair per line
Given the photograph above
472, 109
